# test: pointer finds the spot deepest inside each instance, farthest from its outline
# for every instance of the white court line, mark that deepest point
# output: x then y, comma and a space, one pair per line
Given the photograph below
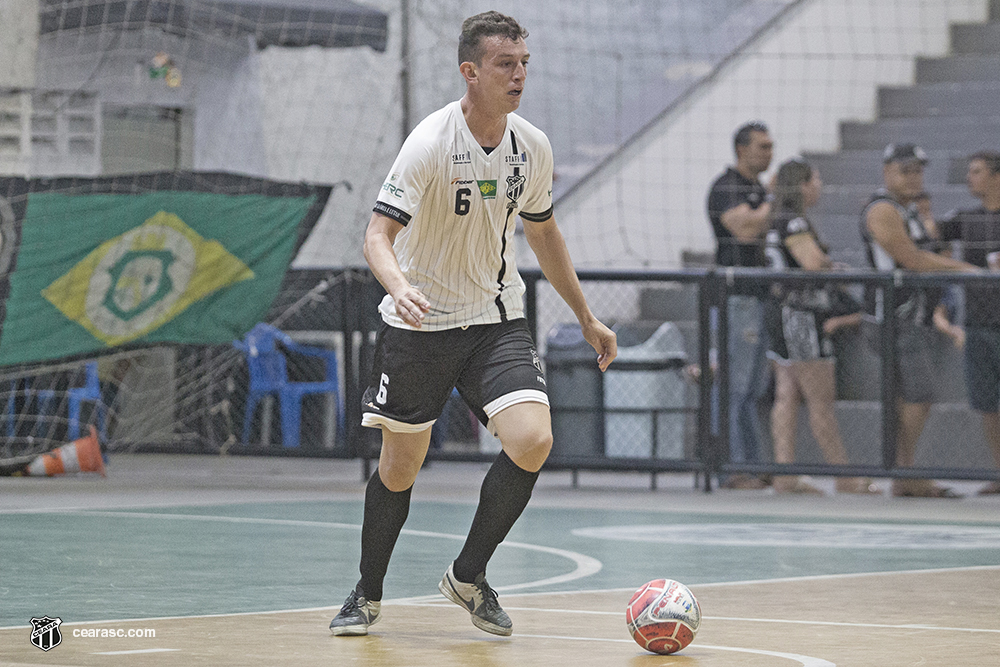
907, 626
782, 580
585, 565
142, 650
804, 660
417, 600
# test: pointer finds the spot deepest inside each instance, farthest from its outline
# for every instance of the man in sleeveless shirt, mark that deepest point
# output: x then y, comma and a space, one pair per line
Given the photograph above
440, 241
896, 238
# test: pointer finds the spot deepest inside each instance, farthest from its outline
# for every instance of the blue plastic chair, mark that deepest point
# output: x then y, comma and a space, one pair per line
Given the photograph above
45, 404
44, 400
269, 376
89, 392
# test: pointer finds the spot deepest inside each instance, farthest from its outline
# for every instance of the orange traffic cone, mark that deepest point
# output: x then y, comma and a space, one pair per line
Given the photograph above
82, 455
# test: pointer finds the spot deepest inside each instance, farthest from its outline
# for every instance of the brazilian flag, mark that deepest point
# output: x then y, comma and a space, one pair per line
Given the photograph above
91, 264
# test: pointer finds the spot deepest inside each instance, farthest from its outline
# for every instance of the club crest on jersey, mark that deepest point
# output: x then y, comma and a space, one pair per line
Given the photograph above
461, 158
515, 186
517, 159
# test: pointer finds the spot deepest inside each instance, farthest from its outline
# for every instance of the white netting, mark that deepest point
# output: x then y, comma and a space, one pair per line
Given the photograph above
640, 100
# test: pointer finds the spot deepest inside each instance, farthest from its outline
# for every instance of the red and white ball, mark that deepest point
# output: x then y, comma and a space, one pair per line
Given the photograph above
663, 616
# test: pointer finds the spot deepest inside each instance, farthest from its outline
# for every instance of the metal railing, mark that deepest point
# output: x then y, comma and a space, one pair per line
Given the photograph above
686, 431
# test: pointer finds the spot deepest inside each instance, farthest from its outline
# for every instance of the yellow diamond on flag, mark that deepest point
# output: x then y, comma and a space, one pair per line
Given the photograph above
137, 282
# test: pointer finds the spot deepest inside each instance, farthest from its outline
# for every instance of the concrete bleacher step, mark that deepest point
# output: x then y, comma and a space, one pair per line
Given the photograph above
956, 134
959, 68
975, 37
970, 99
864, 167
852, 198
838, 230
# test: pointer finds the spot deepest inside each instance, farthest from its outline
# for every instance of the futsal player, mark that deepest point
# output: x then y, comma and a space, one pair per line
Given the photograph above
440, 241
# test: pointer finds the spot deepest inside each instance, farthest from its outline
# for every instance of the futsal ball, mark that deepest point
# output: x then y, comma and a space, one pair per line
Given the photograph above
663, 616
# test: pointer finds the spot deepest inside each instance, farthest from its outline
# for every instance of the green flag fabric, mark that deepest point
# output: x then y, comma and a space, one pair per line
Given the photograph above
93, 264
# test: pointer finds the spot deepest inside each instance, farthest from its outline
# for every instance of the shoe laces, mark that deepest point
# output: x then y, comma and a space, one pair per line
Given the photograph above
489, 595
351, 603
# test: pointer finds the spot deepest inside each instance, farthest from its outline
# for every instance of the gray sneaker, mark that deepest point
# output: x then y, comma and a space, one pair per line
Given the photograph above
355, 616
479, 600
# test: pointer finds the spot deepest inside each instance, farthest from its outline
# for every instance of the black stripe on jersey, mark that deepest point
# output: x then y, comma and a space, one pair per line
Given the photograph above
402, 217
503, 242
503, 261
537, 217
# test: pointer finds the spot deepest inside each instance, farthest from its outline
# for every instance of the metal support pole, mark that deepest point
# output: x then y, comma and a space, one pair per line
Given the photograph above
889, 331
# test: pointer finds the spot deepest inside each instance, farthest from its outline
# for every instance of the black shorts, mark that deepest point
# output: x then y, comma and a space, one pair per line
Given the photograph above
493, 366
916, 369
982, 368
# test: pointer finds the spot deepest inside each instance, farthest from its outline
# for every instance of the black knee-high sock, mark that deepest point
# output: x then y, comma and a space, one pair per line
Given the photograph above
504, 495
385, 514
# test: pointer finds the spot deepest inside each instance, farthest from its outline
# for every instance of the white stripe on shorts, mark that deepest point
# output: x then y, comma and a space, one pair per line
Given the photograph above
513, 398
375, 421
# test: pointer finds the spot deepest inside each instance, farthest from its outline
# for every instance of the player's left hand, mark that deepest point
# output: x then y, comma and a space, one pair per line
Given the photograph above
603, 340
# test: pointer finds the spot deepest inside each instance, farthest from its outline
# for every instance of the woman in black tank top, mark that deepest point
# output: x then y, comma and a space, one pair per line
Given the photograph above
801, 323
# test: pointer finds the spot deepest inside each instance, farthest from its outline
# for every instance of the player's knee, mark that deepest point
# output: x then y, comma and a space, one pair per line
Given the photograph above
399, 472
398, 478
542, 443
532, 449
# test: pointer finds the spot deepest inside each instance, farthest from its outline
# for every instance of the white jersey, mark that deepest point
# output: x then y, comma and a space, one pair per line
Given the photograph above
458, 206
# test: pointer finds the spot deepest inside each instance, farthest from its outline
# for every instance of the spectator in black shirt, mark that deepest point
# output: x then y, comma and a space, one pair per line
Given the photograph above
738, 205
801, 327
978, 231
739, 211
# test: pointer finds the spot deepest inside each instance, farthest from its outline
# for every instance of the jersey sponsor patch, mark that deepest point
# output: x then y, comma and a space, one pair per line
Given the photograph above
393, 189
488, 189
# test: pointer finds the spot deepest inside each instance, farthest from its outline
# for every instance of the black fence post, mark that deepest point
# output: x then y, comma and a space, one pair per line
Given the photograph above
706, 445
723, 282
890, 330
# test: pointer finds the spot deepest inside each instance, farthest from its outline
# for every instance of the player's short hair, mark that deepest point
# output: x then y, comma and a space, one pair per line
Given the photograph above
742, 136
991, 158
487, 24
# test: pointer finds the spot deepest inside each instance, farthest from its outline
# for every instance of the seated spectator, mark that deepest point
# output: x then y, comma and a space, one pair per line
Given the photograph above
801, 323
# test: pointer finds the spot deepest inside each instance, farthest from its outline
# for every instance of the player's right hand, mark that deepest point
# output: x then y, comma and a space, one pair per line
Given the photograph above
411, 305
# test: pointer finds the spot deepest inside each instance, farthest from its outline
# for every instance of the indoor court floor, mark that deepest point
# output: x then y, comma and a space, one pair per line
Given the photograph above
244, 561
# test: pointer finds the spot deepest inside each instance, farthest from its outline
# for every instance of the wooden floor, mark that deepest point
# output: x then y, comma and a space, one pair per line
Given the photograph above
935, 606
932, 618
